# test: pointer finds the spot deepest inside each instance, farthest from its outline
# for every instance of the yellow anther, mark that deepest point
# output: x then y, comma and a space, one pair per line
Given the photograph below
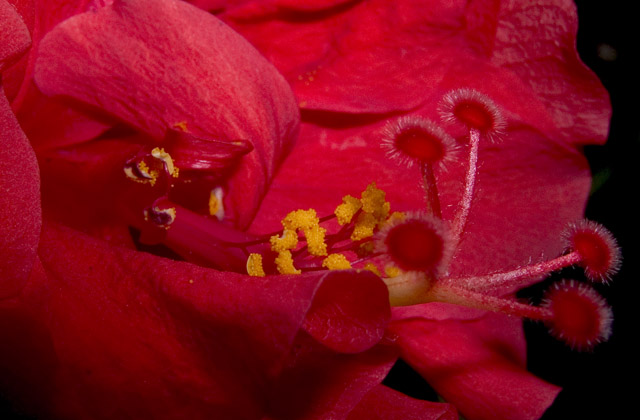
141, 173
254, 265
315, 240
381, 214
372, 267
165, 157
216, 203
349, 207
284, 263
373, 199
287, 241
365, 224
182, 126
336, 262
392, 271
301, 219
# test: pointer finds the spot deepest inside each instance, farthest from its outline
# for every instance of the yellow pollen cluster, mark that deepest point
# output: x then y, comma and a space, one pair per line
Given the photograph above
254, 265
287, 241
165, 157
216, 205
372, 267
370, 212
147, 176
301, 219
373, 199
336, 262
349, 207
365, 223
308, 222
284, 263
315, 240
375, 212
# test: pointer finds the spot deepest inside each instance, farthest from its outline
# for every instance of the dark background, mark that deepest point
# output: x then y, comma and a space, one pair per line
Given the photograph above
593, 382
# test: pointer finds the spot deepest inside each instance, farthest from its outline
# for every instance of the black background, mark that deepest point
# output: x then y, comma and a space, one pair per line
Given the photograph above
593, 382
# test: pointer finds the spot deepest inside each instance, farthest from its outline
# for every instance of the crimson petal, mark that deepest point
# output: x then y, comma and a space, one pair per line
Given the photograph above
14, 39
176, 66
382, 403
479, 366
128, 327
381, 57
20, 214
48, 122
318, 383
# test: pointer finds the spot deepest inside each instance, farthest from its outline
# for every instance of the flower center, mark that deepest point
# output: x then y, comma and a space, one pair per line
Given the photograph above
411, 252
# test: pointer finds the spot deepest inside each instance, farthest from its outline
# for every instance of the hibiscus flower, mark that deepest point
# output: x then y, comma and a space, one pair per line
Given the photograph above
102, 331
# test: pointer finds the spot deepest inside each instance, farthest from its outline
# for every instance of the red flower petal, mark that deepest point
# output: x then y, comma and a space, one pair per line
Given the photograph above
569, 90
476, 366
382, 403
348, 334
20, 214
128, 328
379, 57
84, 187
48, 122
319, 384
14, 39
175, 64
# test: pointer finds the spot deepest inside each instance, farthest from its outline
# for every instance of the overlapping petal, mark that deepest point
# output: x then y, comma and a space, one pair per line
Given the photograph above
134, 335
378, 57
48, 122
215, 85
20, 214
382, 403
478, 364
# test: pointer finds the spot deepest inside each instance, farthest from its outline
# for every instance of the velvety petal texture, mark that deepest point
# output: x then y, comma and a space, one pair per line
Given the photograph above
383, 403
15, 38
215, 86
134, 335
476, 364
20, 213
380, 56
48, 122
